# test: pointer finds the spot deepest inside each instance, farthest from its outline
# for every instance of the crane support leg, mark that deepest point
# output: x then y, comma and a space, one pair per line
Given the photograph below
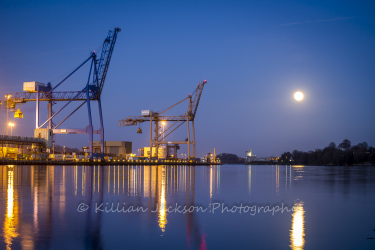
101, 130
37, 108
156, 137
150, 136
192, 127
188, 133
49, 115
49, 107
90, 130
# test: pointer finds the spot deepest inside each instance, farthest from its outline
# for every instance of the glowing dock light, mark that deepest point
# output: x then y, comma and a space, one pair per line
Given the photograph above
11, 125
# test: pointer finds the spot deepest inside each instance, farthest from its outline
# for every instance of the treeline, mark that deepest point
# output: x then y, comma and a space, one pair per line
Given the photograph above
343, 154
226, 158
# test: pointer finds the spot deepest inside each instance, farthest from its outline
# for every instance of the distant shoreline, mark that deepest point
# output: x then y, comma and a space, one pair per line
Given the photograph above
262, 163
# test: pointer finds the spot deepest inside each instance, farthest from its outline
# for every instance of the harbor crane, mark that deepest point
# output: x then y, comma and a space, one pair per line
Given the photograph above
157, 117
39, 92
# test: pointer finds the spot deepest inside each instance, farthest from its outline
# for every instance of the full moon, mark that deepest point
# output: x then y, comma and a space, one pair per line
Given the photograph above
298, 96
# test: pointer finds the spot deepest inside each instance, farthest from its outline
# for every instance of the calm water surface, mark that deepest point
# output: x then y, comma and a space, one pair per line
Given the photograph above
145, 207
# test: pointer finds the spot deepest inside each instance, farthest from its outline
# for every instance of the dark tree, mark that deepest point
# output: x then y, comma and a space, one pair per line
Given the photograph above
230, 159
344, 154
332, 145
286, 158
360, 152
345, 144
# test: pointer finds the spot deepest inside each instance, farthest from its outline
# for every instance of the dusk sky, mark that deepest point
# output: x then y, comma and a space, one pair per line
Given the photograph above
253, 54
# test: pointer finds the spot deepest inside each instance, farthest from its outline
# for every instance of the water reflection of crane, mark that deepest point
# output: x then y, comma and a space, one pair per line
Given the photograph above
45, 179
192, 225
52, 189
93, 239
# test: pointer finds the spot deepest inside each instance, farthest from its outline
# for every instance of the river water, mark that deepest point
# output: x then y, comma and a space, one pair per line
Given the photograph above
187, 207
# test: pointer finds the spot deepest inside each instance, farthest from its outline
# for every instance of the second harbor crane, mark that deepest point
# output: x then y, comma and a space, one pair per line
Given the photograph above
149, 116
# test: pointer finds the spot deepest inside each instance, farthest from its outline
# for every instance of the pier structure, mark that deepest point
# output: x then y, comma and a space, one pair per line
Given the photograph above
16, 142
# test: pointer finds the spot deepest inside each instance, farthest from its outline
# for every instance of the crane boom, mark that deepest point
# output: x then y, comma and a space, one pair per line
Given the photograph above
23, 97
105, 58
197, 97
133, 120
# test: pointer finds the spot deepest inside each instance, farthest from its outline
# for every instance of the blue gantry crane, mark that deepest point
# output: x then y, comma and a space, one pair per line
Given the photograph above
38, 92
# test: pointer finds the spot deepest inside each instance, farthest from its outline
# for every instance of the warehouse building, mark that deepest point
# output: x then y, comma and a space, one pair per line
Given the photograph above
114, 148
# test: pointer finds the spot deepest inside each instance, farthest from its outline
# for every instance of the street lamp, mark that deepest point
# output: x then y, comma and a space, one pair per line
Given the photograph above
11, 125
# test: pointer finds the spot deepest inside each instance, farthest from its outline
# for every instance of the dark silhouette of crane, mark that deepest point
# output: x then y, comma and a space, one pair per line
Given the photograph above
157, 117
91, 92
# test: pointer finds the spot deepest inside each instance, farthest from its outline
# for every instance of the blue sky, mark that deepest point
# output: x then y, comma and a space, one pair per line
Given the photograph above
253, 54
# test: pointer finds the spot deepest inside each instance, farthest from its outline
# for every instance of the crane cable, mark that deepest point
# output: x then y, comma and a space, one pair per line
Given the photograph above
162, 110
99, 48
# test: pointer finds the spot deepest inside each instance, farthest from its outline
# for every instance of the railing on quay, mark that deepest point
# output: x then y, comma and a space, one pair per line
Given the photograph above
8, 138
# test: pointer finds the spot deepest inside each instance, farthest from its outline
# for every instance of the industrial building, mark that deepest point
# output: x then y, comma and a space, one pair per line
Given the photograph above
249, 156
115, 148
165, 151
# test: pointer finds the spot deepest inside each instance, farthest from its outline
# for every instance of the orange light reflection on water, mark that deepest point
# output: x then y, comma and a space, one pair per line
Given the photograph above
163, 205
11, 221
297, 234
